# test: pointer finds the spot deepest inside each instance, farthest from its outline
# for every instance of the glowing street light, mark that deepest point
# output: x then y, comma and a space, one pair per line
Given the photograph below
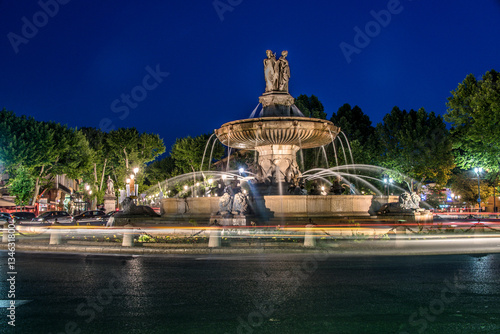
388, 182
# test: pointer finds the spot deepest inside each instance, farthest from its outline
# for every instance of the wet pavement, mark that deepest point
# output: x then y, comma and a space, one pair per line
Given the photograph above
260, 293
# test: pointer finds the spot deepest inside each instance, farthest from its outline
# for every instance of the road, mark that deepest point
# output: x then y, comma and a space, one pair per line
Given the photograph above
268, 293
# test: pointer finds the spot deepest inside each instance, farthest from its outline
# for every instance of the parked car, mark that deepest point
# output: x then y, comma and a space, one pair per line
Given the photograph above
49, 217
22, 216
5, 217
91, 217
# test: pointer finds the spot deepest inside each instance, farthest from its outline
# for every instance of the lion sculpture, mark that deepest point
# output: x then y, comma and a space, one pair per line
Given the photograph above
129, 208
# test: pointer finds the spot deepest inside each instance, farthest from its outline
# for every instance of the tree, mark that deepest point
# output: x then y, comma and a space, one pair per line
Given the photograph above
160, 170
129, 149
465, 183
474, 114
21, 186
417, 145
310, 106
358, 129
188, 153
23, 140
67, 153
43, 148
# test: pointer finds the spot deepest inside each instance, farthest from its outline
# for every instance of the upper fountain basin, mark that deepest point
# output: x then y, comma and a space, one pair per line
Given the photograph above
303, 132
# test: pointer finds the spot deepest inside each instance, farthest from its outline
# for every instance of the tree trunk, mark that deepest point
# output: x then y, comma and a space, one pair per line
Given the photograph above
103, 170
37, 185
95, 173
126, 158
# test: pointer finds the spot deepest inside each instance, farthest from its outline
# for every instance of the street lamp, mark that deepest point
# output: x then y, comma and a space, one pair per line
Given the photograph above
132, 186
478, 171
387, 183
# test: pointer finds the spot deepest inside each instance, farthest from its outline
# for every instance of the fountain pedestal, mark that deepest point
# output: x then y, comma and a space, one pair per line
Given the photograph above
230, 220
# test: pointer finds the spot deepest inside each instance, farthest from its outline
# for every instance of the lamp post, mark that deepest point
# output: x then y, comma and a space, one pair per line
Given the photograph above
478, 171
132, 186
135, 188
387, 183
127, 187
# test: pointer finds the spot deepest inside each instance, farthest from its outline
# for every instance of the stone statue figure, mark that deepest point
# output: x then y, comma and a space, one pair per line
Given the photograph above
111, 188
225, 204
270, 73
240, 204
284, 72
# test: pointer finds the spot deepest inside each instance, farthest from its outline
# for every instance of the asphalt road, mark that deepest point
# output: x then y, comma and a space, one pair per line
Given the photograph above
268, 293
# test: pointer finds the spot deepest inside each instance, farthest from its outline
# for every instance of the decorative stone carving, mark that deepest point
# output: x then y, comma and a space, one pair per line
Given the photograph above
406, 203
284, 72
225, 204
278, 133
240, 204
270, 73
110, 187
276, 72
276, 98
409, 201
130, 209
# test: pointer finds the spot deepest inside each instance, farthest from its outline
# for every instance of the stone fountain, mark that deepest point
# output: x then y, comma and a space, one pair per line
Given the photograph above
279, 133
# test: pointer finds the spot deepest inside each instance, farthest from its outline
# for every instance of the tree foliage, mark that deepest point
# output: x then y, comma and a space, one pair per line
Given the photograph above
474, 114
417, 145
310, 106
358, 129
188, 153
117, 153
160, 170
44, 148
465, 183
22, 185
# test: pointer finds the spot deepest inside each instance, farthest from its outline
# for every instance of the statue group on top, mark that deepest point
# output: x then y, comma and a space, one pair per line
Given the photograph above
276, 72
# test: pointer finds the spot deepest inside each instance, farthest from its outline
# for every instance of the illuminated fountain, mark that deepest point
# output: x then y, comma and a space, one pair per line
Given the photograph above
277, 134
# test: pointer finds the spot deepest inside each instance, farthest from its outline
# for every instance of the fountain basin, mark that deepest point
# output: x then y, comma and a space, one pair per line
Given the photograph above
295, 207
301, 132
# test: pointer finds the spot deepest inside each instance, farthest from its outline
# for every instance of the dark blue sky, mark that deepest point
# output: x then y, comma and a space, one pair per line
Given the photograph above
86, 56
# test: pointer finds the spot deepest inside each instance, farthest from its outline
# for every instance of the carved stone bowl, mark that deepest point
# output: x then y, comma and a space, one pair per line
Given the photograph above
256, 132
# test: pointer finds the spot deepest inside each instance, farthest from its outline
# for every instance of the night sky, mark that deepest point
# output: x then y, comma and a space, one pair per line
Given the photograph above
84, 57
